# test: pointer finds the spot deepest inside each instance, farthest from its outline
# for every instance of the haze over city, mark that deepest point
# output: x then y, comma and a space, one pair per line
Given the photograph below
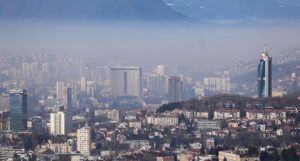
149, 80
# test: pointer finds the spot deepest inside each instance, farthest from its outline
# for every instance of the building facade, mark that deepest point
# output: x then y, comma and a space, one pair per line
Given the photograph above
60, 123
84, 140
126, 81
175, 89
17, 109
264, 74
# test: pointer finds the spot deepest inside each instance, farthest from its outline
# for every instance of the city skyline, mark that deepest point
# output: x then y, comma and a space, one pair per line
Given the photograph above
149, 80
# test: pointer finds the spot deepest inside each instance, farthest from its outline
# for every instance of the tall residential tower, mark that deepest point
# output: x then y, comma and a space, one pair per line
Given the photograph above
175, 89
126, 81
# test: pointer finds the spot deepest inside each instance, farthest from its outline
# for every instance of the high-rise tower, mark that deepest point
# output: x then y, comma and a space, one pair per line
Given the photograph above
84, 140
264, 73
17, 109
126, 81
175, 89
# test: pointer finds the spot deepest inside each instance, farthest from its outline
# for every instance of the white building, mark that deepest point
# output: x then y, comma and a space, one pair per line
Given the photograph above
66, 93
269, 114
218, 85
135, 124
162, 120
83, 84
161, 70
232, 156
126, 81
60, 123
84, 140
109, 114
226, 114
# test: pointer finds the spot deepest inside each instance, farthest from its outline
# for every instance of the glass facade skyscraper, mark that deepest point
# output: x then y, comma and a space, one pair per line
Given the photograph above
17, 109
264, 73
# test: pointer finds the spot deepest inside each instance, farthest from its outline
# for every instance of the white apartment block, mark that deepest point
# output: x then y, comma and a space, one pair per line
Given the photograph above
60, 123
226, 114
271, 114
109, 114
232, 156
135, 124
84, 140
162, 120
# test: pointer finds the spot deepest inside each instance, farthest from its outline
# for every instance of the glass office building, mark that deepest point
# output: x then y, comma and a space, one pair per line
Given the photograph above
265, 76
17, 109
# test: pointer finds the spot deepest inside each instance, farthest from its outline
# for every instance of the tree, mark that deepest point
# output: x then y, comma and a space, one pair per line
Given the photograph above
264, 156
289, 155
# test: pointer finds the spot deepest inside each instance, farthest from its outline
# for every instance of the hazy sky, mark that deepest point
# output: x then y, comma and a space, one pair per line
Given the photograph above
195, 45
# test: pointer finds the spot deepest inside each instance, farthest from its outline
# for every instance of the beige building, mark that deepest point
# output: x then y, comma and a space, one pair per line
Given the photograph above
126, 81
226, 114
84, 140
232, 156
135, 124
60, 148
269, 114
109, 114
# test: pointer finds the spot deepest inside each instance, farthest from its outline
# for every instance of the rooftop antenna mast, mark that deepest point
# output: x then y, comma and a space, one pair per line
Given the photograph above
265, 45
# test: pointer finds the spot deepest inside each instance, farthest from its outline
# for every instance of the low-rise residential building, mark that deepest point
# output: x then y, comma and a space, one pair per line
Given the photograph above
226, 114
162, 120
233, 156
135, 124
269, 114
109, 114
60, 147
209, 124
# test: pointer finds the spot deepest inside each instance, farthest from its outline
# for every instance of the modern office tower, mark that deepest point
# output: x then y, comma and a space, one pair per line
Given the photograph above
126, 81
175, 89
83, 84
161, 70
217, 84
17, 109
264, 73
60, 123
84, 140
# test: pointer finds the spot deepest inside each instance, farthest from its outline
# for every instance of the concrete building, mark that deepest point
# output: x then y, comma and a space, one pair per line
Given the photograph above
161, 70
60, 123
175, 89
209, 124
17, 109
217, 85
135, 124
84, 140
264, 73
226, 114
232, 156
126, 81
162, 120
109, 114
